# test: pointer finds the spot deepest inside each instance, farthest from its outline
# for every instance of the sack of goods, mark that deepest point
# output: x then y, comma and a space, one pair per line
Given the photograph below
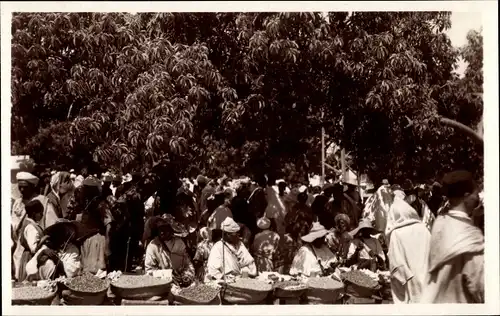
247, 291
140, 286
324, 290
85, 289
27, 294
198, 294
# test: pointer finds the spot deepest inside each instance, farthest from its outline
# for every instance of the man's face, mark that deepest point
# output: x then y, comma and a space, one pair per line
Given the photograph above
472, 201
342, 225
26, 189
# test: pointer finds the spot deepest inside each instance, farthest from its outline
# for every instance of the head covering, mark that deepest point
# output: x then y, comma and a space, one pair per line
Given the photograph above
343, 217
280, 181
263, 223
53, 172
71, 170
363, 224
27, 177
230, 226
302, 189
204, 233
60, 179
456, 184
385, 182
72, 176
317, 231
90, 181
400, 214
399, 194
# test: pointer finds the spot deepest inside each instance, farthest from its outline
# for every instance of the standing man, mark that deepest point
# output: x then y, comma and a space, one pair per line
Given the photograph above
455, 271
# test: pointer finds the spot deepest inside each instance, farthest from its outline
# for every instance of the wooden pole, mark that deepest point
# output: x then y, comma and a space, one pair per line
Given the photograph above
342, 155
322, 152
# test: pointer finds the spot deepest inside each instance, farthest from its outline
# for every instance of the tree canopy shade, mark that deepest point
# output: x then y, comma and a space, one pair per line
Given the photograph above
244, 92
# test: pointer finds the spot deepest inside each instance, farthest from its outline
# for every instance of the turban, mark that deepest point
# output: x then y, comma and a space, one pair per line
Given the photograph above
230, 226
264, 223
27, 177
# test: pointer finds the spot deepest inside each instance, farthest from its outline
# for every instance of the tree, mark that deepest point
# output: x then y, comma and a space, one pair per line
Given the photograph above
240, 92
104, 91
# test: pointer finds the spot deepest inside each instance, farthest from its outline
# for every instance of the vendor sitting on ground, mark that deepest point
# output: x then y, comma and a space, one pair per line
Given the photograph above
57, 254
229, 256
266, 246
366, 251
166, 251
314, 258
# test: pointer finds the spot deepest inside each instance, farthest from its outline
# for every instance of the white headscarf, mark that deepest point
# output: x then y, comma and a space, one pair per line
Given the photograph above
400, 214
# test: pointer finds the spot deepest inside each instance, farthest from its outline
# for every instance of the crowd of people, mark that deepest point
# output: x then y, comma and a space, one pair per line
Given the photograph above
431, 240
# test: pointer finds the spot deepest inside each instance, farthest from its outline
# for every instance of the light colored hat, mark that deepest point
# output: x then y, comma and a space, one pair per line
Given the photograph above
363, 224
302, 189
72, 170
53, 172
230, 226
263, 223
27, 177
317, 231
280, 181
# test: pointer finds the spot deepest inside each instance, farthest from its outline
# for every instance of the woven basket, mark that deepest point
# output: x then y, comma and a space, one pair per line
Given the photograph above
73, 297
182, 300
141, 292
280, 292
40, 301
324, 296
361, 291
236, 295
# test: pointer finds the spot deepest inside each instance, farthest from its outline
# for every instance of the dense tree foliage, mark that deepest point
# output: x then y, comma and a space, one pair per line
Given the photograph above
244, 92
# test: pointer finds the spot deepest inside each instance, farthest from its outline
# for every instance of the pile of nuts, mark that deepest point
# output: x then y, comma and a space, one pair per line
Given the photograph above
250, 284
28, 293
324, 283
200, 293
359, 278
87, 283
137, 281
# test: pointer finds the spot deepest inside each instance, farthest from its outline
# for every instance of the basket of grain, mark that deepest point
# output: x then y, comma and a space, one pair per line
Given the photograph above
323, 290
359, 284
199, 294
85, 289
140, 286
31, 295
289, 289
246, 291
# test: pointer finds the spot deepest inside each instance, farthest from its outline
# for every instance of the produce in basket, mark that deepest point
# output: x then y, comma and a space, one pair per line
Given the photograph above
252, 285
290, 285
138, 280
324, 283
360, 278
29, 293
87, 283
201, 293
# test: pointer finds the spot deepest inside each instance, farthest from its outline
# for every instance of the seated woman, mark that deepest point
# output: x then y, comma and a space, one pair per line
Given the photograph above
266, 246
366, 251
57, 255
314, 258
229, 256
166, 251
338, 239
202, 253
30, 234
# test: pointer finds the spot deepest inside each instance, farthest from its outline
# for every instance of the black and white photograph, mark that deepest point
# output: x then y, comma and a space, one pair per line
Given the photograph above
239, 158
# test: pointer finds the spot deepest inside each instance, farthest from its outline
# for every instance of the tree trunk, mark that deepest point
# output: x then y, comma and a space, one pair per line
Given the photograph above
463, 128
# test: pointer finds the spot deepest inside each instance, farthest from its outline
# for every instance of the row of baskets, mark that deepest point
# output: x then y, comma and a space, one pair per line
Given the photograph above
228, 294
